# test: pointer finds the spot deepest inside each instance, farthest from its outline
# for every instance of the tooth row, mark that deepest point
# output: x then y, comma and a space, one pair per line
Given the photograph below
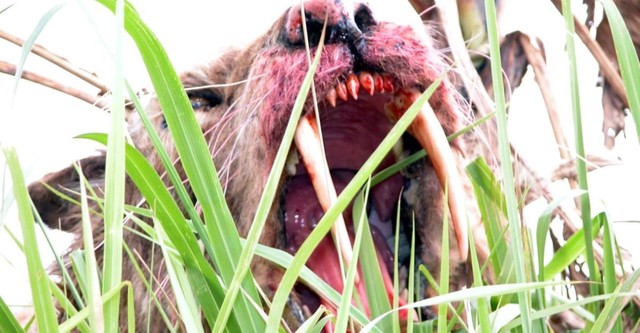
350, 87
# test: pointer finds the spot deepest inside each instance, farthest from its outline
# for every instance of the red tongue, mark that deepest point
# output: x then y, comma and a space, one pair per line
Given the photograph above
324, 262
302, 212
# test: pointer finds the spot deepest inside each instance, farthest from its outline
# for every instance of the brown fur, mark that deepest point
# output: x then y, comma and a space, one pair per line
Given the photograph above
244, 130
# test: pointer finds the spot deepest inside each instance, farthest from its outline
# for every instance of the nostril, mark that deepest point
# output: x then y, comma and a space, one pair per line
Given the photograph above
344, 32
292, 32
340, 24
364, 18
314, 30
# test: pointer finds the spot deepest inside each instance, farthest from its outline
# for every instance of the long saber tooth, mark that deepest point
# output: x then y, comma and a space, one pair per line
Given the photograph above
427, 130
309, 147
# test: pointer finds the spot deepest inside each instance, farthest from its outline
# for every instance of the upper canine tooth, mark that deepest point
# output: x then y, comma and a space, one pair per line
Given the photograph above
367, 82
353, 85
307, 140
341, 90
331, 97
427, 130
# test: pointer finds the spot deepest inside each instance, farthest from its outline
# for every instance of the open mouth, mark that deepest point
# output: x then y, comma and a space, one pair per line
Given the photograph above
355, 116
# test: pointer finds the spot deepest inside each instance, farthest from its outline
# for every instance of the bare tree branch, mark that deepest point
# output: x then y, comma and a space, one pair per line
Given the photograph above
609, 71
94, 100
61, 62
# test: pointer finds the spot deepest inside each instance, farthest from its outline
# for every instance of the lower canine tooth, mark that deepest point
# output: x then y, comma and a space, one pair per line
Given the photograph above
309, 147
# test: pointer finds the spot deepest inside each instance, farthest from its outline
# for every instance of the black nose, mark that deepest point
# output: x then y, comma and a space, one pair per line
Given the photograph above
340, 20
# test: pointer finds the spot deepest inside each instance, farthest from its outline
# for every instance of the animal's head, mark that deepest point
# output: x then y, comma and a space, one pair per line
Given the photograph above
377, 59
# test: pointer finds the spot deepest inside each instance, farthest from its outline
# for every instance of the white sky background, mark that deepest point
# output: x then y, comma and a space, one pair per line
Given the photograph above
42, 123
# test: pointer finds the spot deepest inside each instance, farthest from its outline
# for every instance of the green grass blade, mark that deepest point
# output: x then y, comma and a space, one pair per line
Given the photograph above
79, 317
436, 287
269, 193
71, 289
516, 247
6, 8
469, 295
314, 324
172, 173
371, 273
92, 281
148, 285
209, 292
114, 182
8, 322
309, 278
491, 203
28, 45
196, 161
182, 290
609, 265
347, 292
324, 225
411, 282
65, 304
568, 253
319, 327
581, 167
542, 229
38, 277
403, 164
565, 306
627, 59
614, 305
395, 302
444, 268
483, 306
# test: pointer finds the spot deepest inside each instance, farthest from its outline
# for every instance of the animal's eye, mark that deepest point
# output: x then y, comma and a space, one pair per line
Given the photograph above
199, 103
204, 99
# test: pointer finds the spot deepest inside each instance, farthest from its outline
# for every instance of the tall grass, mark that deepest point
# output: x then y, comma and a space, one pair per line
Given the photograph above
216, 283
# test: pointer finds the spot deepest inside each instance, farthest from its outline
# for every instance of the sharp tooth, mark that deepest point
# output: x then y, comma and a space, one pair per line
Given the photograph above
341, 90
310, 149
353, 85
331, 97
292, 162
427, 130
388, 84
378, 82
367, 82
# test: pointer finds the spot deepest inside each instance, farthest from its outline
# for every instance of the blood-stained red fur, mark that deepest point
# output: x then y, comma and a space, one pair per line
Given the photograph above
257, 87
395, 49
388, 47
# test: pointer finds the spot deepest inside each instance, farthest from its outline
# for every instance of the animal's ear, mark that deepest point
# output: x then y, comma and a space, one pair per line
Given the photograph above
56, 211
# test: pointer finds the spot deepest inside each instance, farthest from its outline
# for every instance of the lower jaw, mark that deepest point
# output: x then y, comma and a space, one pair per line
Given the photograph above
326, 260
